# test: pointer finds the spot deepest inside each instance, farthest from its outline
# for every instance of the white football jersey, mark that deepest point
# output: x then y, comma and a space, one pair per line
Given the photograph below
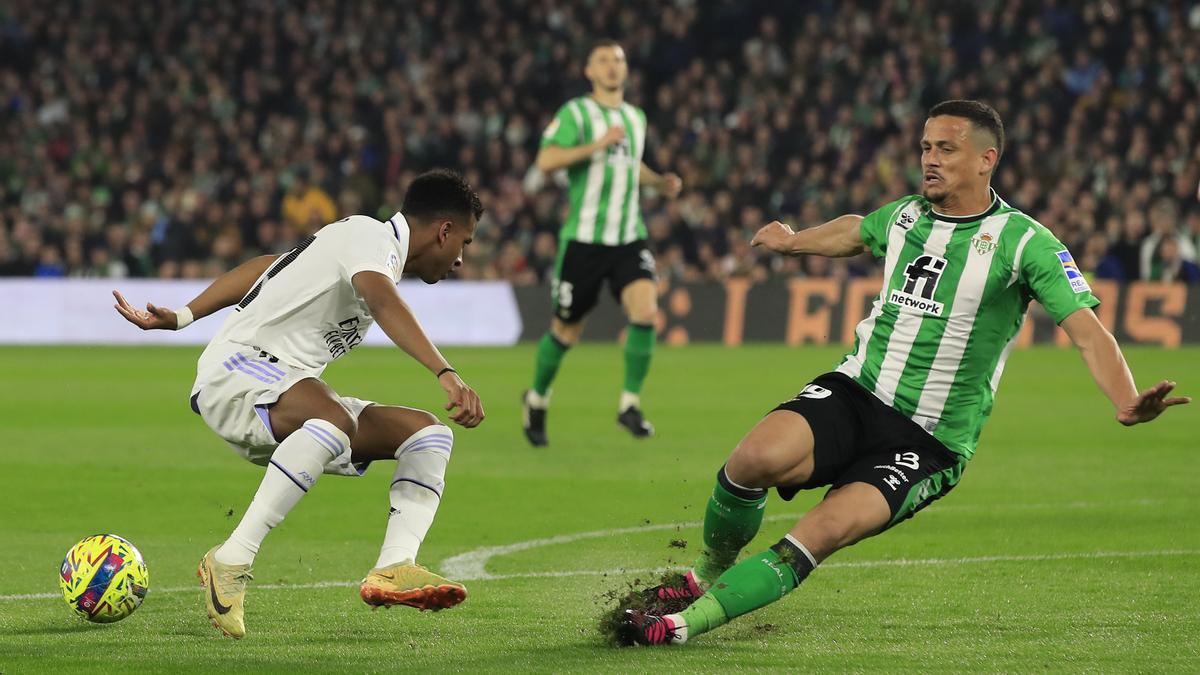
304, 309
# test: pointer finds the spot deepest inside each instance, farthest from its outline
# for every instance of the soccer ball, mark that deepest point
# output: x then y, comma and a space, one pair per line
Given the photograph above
104, 578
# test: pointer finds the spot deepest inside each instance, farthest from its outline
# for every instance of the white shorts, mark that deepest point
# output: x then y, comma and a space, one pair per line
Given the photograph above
236, 384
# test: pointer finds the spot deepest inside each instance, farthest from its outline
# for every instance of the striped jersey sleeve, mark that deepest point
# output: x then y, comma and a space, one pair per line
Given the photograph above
875, 225
564, 130
1049, 273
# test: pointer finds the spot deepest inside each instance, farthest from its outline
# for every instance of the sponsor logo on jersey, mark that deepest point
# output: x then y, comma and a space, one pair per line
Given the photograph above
905, 221
984, 243
1071, 270
921, 305
921, 280
343, 338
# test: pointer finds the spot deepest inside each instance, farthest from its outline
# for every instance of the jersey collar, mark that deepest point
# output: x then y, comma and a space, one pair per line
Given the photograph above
398, 218
995, 206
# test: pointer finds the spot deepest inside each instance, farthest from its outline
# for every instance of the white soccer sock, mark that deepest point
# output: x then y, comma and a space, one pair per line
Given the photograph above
416, 492
536, 400
629, 400
294, 468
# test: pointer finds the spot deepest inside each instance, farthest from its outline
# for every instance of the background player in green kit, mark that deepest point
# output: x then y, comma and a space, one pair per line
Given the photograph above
892, 428
599, 139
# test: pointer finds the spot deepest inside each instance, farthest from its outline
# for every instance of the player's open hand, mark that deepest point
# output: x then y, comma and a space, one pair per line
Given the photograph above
614, 134
470, 408
153, 318
1150, 404
672, 184
773, 237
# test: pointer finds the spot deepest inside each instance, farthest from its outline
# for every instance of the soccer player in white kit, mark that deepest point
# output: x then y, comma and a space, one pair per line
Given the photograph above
258, 384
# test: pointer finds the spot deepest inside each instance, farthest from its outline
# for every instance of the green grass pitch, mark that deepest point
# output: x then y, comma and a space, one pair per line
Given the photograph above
1072, 543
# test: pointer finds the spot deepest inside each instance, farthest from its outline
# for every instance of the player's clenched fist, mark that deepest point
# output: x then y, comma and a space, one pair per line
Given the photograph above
671, 186
773, 237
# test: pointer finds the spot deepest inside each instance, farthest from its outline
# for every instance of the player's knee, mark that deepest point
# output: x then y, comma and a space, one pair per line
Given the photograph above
643, 315
424, 419
567, 333
754, 464
342, 419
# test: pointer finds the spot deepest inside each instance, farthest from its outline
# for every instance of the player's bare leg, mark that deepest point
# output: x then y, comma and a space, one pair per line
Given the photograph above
421, 446
777, 451
313, 429
640, 301
535, 401
845, 516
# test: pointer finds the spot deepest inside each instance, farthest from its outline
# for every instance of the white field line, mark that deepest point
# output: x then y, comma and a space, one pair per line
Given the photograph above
856, 564
472, 565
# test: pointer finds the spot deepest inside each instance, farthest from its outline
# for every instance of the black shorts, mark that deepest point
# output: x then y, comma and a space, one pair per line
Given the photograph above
859, 439
583, 268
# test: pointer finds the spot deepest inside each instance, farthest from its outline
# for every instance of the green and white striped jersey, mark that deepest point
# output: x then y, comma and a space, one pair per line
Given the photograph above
954, 297
604, 188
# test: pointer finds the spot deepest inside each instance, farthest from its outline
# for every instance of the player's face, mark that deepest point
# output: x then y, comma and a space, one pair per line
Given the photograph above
449, 255
607, 69
952, 160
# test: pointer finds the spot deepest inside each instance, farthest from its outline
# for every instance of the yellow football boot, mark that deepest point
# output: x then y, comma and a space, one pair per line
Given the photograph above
225, 593
412, 585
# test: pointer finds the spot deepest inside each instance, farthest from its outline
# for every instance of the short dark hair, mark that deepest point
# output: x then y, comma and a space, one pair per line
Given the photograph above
982, 115
601, 43
441, 193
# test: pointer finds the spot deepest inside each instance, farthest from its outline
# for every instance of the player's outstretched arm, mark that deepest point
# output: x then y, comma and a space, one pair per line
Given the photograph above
1106, 362
668, 184
223, 292
397, 321
554, 157
838, 238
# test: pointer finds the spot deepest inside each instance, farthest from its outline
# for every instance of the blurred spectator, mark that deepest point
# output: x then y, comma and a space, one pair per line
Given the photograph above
306, 205
1098, 262
1163, 225
1168, 263
177, 139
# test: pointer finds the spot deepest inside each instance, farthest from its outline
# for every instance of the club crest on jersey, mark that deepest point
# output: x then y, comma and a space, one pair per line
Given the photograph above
921, 278
984, 243
393, 264
1071, 270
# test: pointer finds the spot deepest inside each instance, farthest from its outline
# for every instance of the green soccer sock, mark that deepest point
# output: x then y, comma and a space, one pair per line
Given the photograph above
639, 347
755, 582
731, 520
550, 354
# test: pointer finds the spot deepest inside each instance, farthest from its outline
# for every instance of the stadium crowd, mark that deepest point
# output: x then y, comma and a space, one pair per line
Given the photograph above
176, 139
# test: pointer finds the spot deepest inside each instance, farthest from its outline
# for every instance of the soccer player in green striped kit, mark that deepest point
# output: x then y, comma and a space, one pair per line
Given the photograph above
892, 428
600, 139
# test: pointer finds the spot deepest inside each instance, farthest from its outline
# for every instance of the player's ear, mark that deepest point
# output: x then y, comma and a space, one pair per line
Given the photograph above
443, 232
987, 162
